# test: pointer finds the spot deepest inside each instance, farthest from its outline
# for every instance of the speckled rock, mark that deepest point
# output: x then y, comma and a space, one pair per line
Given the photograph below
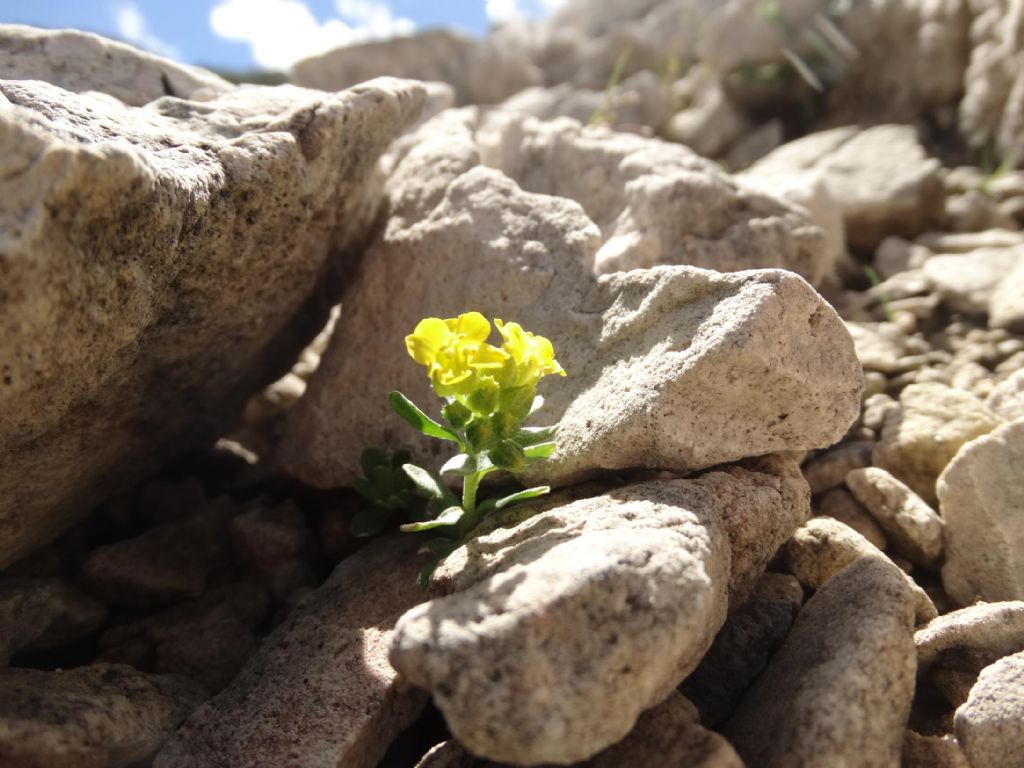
159, 268
104, 715
1006, 305
829, 469
911, 525
921, 751
750, 362
839, 690
668, 736
840, 505
990, 726
991, 628
881, 178
479, 71
44, 613
80, 61
981, 495
923, 435
967, 282
554, 635
750, 636
823, 547
319, 691
1007, 397
656, 202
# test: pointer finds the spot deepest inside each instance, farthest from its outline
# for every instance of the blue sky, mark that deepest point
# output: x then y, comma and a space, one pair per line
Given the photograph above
242, 34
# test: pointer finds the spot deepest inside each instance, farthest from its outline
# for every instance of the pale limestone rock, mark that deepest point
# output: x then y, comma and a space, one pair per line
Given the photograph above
159, 268
880, 177
911, 525
990, 726
320, 690
924, 434
839, 690
829, 469
1006, 305
991, 628
823, 547
967, 282
981, 495
106, 715
480, 71
80, 61
840, 505
1007, 397
662, 362
554, 635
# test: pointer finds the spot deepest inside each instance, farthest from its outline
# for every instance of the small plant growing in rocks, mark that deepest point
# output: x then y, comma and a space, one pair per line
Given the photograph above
488, 393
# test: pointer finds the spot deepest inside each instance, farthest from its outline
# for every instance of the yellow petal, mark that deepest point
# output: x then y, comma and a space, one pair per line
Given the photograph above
427, 338
473, 326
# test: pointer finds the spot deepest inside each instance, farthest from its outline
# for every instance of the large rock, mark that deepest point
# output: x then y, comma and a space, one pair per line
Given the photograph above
968, 282
839, 690
880, 177
102, 715
156, 262
555, 634
1007, 398
480, 71
988, 628
671, 367
320, 690
990, 725
655, 202
990, 111
922, 435
1006, 305
79, 61
981, 495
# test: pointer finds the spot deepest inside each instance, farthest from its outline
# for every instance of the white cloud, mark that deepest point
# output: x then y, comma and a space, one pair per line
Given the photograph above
502, 11
280, 32
132, 26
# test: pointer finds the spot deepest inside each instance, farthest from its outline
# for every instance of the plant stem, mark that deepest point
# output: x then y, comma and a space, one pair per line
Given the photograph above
469, 501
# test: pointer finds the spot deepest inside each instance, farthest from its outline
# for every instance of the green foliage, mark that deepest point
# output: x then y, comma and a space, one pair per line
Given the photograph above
387, 489
605, 112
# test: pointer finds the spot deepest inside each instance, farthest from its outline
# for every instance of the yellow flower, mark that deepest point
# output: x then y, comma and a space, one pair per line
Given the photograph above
529, 356
458, 359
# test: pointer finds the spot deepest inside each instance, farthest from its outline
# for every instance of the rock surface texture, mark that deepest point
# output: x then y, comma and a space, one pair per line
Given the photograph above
320, 691
981, 497
155, 264
839, 690
557, 633
990, 725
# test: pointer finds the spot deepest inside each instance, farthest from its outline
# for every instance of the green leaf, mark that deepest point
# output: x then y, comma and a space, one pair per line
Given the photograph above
373, 457
509, 455
370, 521
456, 414
417, 419
450, 516
540, 451
425, 481
516, 401
538, 403
439, 547
533, 435
383, 480
364, 488
529, 493
400, 457
461, 464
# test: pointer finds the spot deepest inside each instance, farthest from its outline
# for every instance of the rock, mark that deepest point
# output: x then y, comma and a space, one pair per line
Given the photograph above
1006, 305
823, 547
264, 537
980, 498
711, 121
207, 639
319, 691
757, 143
967, 281
840, 505
479, 71
552, 636
974, 211
921, 751
100, 715
667, 736
829, 469
845, 675
989, 113
151, 238
880, 346
44, 613
881, 178
990, 726
753, 362
655, 202
913, 527
741, 650
966, 242
163, 565
895, 255
1007, 398
996, 629
921, 437
80, 61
